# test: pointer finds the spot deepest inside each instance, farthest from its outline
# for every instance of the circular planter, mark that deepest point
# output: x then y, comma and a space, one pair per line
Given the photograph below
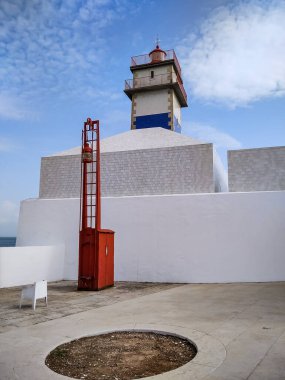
122, 355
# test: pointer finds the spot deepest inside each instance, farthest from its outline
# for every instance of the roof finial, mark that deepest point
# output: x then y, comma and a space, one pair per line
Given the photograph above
157, 41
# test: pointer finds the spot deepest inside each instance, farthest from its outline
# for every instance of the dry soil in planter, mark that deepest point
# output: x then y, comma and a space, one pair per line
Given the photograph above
120, 356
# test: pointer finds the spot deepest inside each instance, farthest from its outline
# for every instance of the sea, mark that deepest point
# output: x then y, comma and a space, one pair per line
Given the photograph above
7, 241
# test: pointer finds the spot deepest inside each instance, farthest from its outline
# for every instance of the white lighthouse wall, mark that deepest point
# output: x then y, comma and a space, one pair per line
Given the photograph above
154, 102
158, 70
192, 238
176, 108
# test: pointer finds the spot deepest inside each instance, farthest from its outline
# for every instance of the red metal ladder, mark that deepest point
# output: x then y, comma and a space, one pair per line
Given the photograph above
90, 210
90, 176
96, 246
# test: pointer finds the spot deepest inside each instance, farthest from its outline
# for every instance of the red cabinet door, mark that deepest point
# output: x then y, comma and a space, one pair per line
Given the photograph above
106, 259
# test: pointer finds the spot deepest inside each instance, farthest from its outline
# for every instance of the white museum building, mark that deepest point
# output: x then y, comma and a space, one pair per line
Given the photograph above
178, 215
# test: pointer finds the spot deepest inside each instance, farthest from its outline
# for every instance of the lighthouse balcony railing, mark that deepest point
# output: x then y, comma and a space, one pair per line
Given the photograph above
148, 81
145, 59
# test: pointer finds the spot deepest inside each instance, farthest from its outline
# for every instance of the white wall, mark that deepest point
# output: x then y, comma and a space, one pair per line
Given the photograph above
51, 222
154, 102
158, 70
220, 237
176, 107
257, 169
25, 265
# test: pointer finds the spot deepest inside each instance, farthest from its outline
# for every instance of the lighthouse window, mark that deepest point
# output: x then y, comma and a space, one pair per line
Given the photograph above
152, 74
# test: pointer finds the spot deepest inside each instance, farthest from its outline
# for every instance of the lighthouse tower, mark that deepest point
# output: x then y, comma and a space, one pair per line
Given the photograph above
156, 90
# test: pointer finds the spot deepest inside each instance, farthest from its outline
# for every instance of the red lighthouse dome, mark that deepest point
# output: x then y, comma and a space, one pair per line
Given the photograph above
157, 55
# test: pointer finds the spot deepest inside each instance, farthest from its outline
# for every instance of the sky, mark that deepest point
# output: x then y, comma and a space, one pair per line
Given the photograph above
63, 61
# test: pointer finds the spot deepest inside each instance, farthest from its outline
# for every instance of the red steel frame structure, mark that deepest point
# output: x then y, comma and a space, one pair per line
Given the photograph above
96, 246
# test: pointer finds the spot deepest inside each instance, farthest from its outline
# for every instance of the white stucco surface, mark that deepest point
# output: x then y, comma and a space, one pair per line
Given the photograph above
176, 108
158, 70
219, 237
25, 265
154, 102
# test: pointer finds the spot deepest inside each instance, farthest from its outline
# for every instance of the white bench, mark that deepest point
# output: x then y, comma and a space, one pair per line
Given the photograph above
33, 292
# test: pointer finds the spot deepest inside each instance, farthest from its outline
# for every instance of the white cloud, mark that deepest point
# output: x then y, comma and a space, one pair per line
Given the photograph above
53, 47
14, 109
210, 134
238, 56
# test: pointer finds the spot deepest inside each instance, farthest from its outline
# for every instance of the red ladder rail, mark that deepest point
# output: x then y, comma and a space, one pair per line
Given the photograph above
96, 246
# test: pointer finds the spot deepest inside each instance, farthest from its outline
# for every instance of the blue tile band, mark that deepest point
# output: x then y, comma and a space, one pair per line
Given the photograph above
152, 121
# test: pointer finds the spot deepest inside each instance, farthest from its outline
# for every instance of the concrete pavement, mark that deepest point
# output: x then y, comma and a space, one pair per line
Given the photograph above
239, 330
